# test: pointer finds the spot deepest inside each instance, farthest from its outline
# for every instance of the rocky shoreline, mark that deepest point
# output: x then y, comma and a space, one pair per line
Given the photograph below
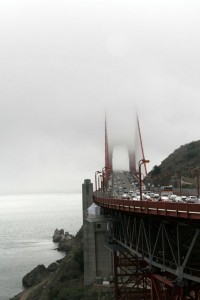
41, 281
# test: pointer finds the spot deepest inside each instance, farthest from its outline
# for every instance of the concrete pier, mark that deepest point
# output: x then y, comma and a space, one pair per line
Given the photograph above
98, 260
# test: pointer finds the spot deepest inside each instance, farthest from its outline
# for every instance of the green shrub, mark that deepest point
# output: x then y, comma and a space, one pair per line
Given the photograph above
78, 257
71, 293
53, 294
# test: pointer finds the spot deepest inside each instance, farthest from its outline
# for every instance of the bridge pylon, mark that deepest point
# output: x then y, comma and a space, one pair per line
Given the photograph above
97, 258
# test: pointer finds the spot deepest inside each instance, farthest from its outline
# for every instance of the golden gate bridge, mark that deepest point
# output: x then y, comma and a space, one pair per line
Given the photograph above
155, 245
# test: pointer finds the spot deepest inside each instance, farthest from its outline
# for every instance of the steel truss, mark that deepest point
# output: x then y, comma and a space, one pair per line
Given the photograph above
170, 247
130, 279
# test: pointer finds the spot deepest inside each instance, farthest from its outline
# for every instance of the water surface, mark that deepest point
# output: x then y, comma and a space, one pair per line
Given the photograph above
27, 224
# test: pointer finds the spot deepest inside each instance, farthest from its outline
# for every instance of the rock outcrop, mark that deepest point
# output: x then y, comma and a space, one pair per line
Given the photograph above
65, 240
60, 236
35, 276
53, 267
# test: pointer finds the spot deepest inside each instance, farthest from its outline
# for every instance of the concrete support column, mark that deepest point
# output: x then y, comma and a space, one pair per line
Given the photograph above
88, 235
97, 258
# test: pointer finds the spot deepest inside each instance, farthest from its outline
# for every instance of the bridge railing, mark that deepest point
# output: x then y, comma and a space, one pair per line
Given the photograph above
167, 209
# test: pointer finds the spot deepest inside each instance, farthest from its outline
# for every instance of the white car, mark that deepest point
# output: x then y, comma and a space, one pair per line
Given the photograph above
183, 198
125, 196
146, 197
165, 199
178, 199
191, 199
156, 196
173, 197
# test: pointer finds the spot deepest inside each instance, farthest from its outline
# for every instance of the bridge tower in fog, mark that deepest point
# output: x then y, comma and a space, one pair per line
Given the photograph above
108, 152
135, 153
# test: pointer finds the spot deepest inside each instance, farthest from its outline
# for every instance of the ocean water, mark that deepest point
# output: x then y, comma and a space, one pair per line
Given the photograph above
27, 224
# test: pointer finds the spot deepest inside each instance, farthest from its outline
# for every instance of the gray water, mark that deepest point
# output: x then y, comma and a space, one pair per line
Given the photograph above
27, 224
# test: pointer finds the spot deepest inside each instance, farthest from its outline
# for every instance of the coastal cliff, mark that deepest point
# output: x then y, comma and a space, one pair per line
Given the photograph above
56, 281
63, 279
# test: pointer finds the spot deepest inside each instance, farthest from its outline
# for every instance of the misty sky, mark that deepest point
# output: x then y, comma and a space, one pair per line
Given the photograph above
64, 62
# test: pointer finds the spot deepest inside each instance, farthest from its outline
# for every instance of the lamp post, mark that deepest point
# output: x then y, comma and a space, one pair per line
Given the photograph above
179, 175
103, 173
99, 182
197, 179
97, 172
141, 162
180, 185
195, 171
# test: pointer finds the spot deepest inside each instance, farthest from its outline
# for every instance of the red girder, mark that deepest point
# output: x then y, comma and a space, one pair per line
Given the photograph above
140, 284
164, 289
130, 282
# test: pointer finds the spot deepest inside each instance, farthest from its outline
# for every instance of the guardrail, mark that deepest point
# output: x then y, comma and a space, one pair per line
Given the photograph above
166, 209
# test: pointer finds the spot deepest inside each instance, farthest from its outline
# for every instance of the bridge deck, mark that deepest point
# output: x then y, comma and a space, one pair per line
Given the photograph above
167, 209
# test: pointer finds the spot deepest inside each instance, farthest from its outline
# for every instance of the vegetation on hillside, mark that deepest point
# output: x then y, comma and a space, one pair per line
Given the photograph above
183, 163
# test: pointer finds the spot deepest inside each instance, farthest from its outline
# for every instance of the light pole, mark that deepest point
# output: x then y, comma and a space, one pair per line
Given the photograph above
180, 185
179, 175
141, 162
195, 171
103, 174
97, 172
99, 182
197, 179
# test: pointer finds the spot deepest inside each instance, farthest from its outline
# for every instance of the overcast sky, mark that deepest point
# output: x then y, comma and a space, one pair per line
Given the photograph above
64, 62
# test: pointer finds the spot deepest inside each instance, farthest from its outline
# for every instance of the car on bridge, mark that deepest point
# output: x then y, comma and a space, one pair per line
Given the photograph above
191, 199
125, 196
164, 199
146, 197
177, 199
173, 197
156, 196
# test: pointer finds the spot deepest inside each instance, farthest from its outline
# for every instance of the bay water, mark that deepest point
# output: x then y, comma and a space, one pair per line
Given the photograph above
27, 225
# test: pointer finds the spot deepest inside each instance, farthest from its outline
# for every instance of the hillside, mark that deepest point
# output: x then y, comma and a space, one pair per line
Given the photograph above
183, 164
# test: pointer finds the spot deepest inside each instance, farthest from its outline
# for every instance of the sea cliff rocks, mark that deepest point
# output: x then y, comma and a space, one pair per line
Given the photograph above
35, 276
53, 267
60, 235
65, 240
